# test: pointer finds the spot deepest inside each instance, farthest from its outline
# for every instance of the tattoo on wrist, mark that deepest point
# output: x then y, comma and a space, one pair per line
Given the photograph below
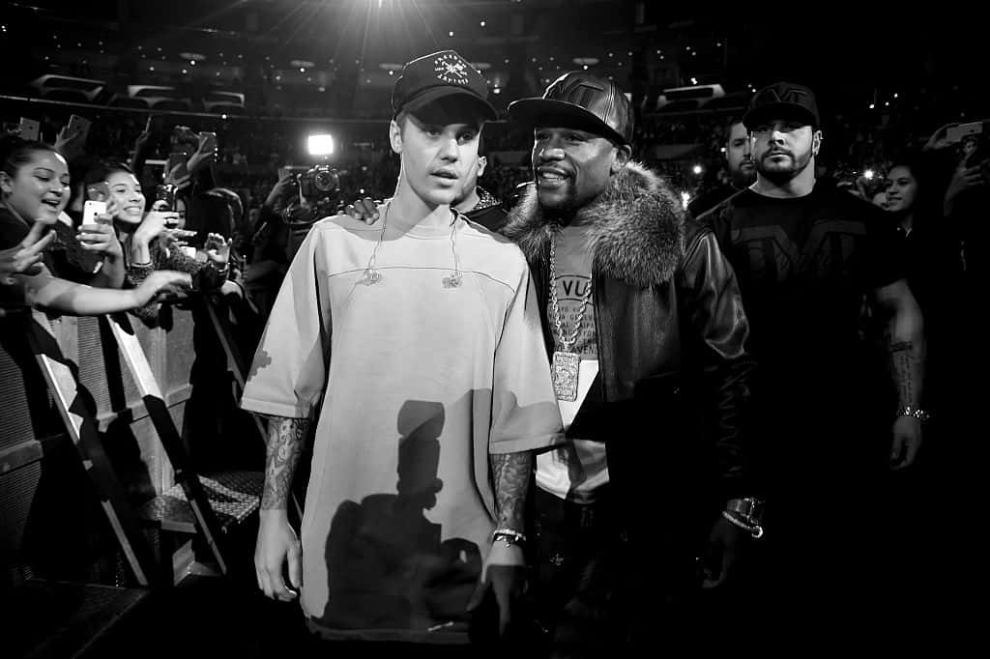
903, 356
511, 473
286, 438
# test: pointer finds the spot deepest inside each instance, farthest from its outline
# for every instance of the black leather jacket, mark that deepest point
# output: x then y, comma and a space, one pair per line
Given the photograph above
674, 372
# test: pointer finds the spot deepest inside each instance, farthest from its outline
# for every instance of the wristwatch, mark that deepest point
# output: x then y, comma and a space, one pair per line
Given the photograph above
746, 513
915, 412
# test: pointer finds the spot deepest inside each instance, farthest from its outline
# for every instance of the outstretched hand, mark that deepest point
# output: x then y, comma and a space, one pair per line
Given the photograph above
217, 248
25, 258
68, 143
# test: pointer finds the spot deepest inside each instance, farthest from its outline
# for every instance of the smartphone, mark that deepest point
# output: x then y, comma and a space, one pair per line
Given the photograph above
30, 129
80, 125
980, 153
957, 133
164, 193
209, 141
98, 191
91, 209
177, 159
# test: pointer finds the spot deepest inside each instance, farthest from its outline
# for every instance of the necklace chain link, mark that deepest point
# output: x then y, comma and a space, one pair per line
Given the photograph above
566, 342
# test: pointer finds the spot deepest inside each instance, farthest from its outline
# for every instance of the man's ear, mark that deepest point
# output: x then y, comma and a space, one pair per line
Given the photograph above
395, 136
621, 157
816, 142
482, 163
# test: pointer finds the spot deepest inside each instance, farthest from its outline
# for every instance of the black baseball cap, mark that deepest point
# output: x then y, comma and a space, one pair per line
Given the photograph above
782, 100
584, 98
436, 76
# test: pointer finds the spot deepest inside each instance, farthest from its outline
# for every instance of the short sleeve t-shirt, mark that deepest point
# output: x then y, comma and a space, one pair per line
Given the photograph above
414, 382
576, 469
806, 267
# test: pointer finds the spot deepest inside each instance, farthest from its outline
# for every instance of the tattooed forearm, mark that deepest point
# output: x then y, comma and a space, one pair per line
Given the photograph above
511, 473
286, 438
906, 362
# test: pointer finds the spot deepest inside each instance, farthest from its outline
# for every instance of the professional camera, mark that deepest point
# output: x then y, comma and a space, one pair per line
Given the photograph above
319, 182
317, 192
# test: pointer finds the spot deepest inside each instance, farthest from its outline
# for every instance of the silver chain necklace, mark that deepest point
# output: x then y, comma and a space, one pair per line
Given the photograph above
566, 363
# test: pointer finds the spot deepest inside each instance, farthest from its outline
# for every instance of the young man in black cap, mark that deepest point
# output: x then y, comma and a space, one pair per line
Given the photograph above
417, 343
647, 338
807, 256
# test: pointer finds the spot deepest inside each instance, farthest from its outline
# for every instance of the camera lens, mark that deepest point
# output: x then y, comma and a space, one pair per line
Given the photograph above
325, 180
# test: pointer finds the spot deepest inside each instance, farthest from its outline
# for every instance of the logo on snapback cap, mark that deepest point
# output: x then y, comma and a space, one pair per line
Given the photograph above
451, 69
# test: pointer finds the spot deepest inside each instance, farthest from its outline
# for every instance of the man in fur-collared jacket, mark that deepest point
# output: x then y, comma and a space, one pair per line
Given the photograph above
647, 335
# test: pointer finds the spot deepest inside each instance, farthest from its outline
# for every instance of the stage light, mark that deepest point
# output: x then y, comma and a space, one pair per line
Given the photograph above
685, 199
697, 169
868, 174
320, 144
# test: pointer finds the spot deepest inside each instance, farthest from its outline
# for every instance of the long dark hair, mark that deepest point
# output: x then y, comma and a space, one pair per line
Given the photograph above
926, 202
15, 152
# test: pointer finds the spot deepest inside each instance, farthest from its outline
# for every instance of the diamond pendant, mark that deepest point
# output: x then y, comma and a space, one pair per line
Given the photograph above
565, 369
452, 281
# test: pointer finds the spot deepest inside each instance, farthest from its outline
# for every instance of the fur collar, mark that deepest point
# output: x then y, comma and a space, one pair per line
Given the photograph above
637, 227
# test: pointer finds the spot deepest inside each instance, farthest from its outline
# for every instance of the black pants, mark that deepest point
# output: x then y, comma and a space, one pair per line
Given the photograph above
576, 578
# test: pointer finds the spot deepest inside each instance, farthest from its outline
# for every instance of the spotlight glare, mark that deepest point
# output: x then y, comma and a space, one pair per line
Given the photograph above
320, 144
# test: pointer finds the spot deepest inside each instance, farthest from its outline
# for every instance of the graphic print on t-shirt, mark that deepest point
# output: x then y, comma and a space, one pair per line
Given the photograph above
776, 256
573, 277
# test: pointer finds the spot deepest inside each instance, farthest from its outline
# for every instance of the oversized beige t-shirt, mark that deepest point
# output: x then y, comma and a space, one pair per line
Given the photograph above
420, 382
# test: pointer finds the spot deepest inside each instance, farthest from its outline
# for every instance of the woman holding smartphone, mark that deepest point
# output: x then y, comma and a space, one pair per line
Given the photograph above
151, 239
34, 189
